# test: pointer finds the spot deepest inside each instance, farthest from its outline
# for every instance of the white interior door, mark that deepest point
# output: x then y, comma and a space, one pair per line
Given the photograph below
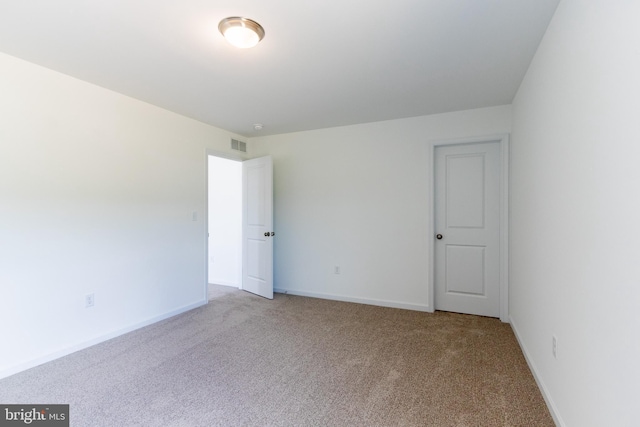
467, 226
257, 226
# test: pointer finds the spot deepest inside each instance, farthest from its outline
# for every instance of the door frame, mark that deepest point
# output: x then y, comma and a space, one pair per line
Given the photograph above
228, 156
503, 140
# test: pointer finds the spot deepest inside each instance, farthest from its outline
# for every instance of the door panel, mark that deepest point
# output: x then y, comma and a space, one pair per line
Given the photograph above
467, 215
256, 267
255, 195
257, 230
465, 191
468, 280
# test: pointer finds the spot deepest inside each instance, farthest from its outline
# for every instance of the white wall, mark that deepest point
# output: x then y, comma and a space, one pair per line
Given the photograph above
575, 263
357, 197
225, 221
97, 192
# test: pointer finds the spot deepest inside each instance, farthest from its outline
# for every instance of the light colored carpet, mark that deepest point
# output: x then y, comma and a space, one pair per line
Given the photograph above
294, 361
216, 291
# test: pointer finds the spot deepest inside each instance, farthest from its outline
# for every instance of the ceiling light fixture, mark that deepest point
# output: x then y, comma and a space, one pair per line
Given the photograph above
241, 32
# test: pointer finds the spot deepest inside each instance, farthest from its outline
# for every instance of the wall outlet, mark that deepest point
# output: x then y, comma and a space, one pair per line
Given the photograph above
554, 346
89, 300
336, 269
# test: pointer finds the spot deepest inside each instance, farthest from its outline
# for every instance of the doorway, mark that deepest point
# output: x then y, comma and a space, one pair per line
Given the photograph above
224, 222
469, 229
239, 225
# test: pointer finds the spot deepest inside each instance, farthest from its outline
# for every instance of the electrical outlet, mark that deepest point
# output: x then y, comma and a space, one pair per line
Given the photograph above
554, 346
336, 269
89, 300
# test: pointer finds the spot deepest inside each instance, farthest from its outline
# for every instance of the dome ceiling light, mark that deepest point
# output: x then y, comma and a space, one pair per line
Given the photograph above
242, 33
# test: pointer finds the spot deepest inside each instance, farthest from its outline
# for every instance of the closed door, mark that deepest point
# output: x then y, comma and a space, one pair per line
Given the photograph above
467, 225
257, 230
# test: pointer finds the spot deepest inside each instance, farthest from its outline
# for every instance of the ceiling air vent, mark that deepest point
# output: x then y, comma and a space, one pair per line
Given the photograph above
238, 145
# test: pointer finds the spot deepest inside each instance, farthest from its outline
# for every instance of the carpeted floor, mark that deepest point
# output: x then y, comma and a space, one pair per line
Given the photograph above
294, 361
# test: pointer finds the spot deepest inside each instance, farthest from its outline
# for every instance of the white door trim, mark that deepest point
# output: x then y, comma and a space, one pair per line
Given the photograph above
503, 140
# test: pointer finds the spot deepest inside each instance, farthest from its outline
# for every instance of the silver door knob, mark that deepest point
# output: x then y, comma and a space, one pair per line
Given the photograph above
439, 236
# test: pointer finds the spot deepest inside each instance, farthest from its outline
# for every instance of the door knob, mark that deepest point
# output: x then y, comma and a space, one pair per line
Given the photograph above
267, 234
273, 233
439, 236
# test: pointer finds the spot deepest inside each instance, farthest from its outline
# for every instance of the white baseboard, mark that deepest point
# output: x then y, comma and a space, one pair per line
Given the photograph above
23, 366
369, 301
543, 389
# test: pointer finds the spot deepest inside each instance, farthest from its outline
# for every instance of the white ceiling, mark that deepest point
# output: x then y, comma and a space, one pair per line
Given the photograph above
321, 64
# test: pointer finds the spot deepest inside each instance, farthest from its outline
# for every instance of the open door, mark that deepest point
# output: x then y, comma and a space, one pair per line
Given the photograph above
257, 226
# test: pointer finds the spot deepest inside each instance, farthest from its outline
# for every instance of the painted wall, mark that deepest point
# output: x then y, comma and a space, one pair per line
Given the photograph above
97, 195
357, 197
225, 221
575, 193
